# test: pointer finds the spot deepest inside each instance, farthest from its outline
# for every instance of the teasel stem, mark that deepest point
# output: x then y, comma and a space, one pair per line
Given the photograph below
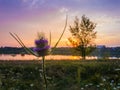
44, 75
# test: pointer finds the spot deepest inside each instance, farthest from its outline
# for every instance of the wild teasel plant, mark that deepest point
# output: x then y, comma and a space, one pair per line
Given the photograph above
42, 48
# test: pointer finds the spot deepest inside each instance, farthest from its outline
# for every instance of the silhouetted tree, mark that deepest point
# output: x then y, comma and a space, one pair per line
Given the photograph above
83, 35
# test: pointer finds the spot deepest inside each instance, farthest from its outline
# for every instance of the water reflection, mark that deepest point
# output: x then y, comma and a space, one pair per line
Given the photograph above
17, 57
31, 57
49, 57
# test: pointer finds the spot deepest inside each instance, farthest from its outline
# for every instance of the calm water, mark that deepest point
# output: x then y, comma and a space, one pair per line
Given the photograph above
31, 57
49, 57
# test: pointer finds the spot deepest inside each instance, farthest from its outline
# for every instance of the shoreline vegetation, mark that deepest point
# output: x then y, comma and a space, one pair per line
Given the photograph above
61, 75
99, 51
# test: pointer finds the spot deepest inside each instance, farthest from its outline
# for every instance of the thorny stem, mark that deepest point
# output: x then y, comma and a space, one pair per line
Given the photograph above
44, 75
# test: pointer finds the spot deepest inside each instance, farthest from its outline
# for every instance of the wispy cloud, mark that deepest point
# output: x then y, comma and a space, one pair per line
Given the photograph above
63, 10
33, 3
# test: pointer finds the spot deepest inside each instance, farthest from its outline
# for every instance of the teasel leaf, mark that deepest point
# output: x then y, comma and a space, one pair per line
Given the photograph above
29, 51
50, 39
61, 34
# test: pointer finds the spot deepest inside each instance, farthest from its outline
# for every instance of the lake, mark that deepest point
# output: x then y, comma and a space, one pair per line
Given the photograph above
31, 57
49, 57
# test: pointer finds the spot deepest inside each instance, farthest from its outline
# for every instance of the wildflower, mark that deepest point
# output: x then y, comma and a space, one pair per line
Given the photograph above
112, 81
31, 72
114, 88
104, 79
41, 75
42, 48
111, 84
118, 83
86, 85
31, 84
118, 69
36, 68
40, 70
98, 86
90, 84
101, 84
82, 88
118, 87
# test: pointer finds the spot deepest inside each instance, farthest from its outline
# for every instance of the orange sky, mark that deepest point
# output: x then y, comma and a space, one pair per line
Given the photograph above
27, 17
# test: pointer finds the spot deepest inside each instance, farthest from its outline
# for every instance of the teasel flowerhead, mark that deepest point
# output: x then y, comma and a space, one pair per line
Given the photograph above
42, 48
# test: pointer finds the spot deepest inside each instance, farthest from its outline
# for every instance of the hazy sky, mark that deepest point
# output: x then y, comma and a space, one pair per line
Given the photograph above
27, 17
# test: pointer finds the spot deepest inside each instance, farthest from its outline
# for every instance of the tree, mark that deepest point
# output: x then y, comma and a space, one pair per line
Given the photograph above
83, 35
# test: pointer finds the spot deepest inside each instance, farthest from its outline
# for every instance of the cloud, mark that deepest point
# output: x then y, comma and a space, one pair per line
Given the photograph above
63, 10
118, 21
33, 3
25, 1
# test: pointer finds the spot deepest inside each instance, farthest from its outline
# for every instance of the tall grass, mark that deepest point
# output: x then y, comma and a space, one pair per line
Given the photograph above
61, 75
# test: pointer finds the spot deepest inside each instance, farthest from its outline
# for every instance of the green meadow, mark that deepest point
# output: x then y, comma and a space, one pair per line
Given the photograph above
61, 75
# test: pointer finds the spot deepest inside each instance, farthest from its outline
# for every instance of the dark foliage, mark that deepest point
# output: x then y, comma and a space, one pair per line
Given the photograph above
61, 75
108, 51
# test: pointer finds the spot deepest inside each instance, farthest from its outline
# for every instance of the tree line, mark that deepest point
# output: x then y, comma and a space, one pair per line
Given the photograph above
100, 52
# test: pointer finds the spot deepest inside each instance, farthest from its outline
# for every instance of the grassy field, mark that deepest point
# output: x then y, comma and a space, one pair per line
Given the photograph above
61, 75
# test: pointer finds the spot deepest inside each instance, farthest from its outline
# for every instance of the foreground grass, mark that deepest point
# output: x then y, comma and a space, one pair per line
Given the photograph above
61, 75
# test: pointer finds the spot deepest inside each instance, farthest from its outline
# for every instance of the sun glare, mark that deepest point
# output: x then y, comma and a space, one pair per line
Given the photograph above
73, 42
74, 57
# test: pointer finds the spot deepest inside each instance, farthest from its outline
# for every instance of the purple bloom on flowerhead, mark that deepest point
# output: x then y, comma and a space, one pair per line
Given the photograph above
41, 41
42, 48
37, 49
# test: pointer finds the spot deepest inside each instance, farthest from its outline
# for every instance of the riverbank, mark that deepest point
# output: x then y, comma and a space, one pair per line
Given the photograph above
62, 75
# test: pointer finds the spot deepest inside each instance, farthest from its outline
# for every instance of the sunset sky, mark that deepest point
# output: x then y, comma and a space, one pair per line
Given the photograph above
27, 17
